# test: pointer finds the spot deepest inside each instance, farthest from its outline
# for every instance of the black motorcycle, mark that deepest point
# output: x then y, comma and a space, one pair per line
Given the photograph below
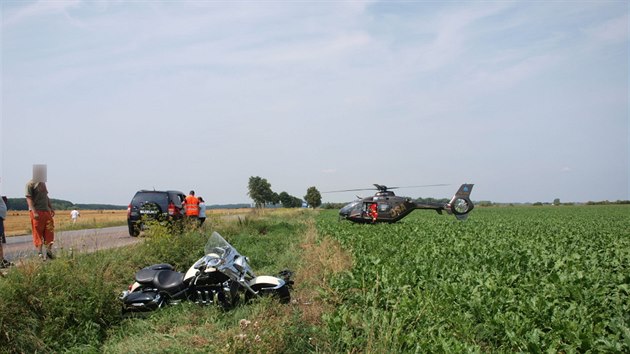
222, 276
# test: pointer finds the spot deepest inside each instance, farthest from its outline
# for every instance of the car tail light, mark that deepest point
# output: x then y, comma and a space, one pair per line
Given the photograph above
171, 209
129, 210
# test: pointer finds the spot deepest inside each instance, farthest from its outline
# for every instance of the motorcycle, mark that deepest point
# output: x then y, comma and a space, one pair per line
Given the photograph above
222, 276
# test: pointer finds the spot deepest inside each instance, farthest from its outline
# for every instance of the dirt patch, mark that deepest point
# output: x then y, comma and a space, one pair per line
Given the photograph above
321, 260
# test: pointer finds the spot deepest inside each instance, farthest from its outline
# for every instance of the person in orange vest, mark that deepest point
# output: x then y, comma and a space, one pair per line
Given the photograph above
191, 205
372, 212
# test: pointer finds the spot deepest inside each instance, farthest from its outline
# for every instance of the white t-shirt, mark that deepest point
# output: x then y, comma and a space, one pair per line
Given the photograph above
3, 209
74, 214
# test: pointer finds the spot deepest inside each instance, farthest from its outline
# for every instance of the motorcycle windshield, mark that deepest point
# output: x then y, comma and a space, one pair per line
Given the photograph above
217, 245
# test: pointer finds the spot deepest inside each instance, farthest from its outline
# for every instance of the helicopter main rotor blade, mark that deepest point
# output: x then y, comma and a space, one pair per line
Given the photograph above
422, 186
351, 190
382, 187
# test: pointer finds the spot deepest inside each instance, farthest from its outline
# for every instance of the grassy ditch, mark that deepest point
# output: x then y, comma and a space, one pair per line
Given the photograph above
70, 304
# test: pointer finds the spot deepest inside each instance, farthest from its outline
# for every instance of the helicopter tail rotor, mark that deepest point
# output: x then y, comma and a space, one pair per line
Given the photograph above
460, 205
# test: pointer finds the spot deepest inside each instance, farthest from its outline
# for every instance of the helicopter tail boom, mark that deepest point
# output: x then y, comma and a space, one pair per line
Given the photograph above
459, 205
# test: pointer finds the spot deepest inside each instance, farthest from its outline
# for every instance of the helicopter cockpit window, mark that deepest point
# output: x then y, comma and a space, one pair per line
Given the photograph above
384, 207
351, 207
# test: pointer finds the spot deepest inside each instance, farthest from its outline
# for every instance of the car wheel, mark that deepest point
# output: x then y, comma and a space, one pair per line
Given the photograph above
134, 231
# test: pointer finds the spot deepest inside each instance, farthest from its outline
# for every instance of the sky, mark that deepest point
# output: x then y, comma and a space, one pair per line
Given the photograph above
527, 100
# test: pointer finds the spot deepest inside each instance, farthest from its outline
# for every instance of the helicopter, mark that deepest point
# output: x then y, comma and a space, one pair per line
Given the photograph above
385, 206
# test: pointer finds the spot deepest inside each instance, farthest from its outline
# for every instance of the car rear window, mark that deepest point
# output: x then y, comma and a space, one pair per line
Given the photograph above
154, 197
177, 198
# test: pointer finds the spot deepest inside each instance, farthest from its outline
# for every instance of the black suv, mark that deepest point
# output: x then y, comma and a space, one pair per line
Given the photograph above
147, 205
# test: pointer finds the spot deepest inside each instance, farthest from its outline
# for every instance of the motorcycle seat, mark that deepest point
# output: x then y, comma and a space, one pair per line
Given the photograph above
146, 275
169, 281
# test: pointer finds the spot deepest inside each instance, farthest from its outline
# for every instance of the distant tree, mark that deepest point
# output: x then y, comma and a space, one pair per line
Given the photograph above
61, 204
286, 200
17, 204
57, 204
297, 202
432, 200
289, 201
260, 191
333, 205
274, 199
313, 197
556, 201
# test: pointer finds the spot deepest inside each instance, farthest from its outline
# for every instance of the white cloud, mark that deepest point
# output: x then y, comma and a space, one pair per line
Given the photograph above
610, 32
35, 10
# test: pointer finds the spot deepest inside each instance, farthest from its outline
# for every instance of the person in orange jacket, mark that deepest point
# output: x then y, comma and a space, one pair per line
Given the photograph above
373, 212
191, 205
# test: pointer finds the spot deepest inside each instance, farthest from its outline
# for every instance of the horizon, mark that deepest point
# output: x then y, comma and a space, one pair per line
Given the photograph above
477, 202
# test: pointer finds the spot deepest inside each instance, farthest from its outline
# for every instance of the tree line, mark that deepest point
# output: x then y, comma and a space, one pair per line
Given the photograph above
19, 204
259, 189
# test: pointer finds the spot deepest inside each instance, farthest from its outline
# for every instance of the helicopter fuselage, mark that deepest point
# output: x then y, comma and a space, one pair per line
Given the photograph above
386, 207
389, 209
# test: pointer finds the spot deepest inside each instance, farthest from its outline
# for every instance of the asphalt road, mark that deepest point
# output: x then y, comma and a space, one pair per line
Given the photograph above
18, 247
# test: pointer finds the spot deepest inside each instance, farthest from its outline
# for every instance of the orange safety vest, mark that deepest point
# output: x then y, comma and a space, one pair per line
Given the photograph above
373, 212
191, 204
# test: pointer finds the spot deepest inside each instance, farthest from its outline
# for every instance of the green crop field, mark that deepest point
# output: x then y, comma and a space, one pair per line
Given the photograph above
533, 279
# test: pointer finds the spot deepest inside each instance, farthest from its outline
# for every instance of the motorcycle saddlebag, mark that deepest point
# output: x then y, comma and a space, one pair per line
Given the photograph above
142, 301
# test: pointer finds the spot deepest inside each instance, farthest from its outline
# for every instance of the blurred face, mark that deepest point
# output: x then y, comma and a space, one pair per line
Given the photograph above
40, 173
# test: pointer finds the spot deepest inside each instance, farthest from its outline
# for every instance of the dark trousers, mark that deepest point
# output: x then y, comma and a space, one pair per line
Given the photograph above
3, 238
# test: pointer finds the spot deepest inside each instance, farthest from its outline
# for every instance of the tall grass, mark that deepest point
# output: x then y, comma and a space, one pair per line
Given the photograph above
70, 304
